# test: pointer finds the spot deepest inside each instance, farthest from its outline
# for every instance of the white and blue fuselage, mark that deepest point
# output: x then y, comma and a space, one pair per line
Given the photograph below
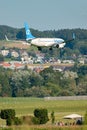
48, 42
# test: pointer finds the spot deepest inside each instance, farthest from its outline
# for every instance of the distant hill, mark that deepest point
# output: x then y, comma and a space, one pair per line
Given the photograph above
79, 45
15, 33
9, 31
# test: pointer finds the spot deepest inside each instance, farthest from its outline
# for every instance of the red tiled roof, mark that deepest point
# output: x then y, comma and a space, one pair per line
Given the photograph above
18, 65
5, 64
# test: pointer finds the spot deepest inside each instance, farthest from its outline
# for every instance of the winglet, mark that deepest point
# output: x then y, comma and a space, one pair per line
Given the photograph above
73, 38
73, 35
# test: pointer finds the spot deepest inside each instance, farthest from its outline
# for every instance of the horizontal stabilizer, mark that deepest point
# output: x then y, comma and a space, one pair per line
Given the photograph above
6, 38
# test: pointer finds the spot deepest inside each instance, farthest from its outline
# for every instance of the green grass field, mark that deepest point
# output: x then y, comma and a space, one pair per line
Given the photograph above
26, 106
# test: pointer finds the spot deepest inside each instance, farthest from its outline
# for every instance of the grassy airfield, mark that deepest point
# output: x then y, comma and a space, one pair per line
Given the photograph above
13, 44
26, 106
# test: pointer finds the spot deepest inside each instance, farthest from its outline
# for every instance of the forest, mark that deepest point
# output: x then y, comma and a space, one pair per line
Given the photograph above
27, 83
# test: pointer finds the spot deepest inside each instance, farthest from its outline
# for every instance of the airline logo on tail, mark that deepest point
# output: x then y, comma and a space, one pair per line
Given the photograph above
29, 36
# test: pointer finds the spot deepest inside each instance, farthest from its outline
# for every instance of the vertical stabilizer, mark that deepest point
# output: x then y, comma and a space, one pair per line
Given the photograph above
29, 36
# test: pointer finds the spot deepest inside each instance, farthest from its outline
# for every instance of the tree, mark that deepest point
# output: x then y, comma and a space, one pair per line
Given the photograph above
1, 58
85, 118
7, 113
36, 80
19, 81
42, 115
9, 121
52, 117
5, 89
17, 121
20, 34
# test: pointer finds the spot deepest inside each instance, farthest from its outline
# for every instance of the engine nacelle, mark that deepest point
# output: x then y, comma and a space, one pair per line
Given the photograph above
57, 45
60, 45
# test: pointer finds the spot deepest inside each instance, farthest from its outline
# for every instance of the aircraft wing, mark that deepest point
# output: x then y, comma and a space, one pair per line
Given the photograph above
73, 38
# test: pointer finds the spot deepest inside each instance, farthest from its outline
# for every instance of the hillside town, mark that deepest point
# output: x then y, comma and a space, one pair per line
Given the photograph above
19, 59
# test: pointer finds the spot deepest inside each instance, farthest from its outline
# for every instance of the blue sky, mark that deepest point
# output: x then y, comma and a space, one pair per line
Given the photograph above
44, 14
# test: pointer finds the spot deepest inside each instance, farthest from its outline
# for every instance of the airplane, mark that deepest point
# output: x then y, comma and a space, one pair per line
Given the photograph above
45, 42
